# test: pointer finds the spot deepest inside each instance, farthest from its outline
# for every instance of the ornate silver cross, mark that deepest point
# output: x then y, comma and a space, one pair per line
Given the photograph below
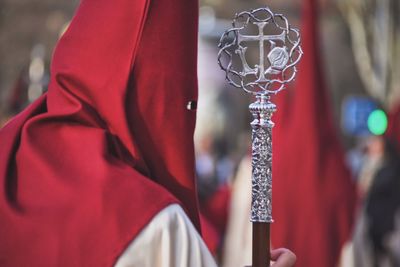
278, 56
273, 71
264, 79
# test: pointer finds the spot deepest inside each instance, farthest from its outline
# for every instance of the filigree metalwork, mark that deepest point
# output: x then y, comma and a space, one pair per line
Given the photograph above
276, 67
261, 204
277, 61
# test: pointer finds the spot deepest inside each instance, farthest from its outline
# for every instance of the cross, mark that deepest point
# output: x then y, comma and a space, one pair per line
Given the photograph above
261, 38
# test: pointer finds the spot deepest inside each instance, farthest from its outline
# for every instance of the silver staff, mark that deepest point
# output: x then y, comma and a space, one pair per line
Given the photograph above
279, 52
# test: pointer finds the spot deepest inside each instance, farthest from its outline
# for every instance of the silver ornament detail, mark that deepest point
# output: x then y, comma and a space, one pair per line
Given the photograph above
267, 37
278, 53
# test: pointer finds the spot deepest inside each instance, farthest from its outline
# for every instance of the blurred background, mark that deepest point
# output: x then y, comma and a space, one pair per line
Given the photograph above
354, 48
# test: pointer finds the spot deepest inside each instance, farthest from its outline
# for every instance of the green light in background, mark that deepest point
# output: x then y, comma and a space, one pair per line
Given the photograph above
377, 122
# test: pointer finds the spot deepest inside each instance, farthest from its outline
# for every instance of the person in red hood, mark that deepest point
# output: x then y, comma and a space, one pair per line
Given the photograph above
100, 170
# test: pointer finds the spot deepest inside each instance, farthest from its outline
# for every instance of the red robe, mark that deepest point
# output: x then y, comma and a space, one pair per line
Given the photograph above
88, 165
314, 197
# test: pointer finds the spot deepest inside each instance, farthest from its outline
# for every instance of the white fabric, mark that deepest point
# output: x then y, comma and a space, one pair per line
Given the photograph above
238, 239
170, 240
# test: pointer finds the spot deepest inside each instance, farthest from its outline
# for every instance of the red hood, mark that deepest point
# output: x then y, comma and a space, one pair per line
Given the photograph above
86, 167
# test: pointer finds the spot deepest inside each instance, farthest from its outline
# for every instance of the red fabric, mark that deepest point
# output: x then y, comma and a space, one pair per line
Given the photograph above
88, 165
216, 208
314, 197
393, 130
211, 236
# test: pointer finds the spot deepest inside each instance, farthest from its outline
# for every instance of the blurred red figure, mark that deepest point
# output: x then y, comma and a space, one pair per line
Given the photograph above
314, 197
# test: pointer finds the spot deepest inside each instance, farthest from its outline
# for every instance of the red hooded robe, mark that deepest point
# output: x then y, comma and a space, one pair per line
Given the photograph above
314, 196
88, 165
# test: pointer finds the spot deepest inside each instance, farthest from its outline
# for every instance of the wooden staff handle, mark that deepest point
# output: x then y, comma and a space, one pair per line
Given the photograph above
261, 245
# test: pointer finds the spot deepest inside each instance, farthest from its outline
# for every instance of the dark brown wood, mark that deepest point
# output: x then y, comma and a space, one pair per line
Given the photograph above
261, 244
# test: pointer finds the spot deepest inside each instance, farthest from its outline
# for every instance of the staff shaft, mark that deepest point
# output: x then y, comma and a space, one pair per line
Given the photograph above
261, 244
261, 206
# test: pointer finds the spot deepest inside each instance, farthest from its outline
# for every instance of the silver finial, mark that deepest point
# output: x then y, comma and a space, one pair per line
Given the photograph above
279, 52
